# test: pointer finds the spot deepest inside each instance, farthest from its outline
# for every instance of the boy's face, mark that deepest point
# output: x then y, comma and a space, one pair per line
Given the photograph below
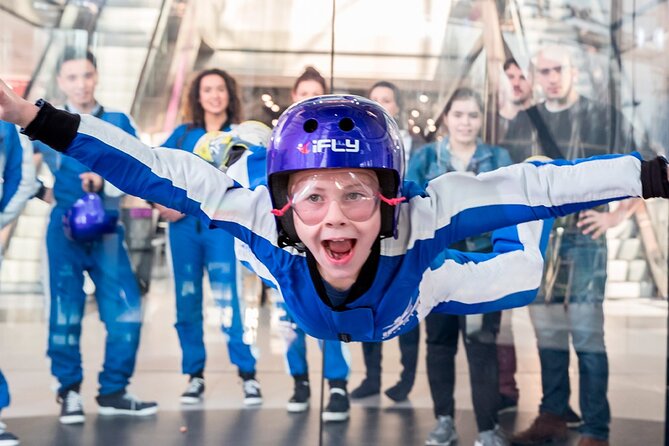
337, 216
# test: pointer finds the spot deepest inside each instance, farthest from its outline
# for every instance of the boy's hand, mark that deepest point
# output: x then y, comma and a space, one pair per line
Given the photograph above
15, 109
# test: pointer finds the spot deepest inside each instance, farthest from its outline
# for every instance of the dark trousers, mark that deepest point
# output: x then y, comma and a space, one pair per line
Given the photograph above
480, 344
372, 352
506, 358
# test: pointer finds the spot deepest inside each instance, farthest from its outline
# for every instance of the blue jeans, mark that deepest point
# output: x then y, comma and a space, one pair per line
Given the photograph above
574, 307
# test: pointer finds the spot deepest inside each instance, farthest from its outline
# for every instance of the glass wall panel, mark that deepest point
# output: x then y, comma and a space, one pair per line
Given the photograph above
21, 44
481, 84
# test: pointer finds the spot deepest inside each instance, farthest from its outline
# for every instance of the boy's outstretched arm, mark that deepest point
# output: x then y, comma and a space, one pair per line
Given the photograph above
177, 179
507, 277
457, 206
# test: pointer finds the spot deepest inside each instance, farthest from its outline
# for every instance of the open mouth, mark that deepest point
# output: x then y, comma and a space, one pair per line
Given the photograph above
339, 250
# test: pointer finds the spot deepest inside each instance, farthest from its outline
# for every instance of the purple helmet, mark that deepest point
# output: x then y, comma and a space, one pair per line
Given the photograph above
87, 220
335, 131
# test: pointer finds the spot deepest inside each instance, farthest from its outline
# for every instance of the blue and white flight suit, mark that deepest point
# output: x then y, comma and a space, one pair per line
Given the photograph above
404, 283
194, 247
17, 186
252, 173
108, 265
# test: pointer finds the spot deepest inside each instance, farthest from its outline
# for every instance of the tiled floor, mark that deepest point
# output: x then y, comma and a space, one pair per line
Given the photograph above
636, 339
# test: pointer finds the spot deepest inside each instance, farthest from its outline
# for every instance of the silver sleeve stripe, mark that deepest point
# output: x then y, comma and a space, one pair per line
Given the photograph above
477, 283
202, 182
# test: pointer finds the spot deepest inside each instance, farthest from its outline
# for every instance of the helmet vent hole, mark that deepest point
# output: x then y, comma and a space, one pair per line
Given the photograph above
346, 124
310, 125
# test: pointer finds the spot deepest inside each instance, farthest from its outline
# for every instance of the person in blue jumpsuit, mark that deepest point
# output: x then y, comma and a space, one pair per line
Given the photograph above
324, 157
462, 151
214, 108
105, 259
18, 185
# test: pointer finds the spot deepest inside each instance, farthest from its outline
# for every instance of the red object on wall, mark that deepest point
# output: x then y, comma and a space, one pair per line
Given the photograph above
18, 85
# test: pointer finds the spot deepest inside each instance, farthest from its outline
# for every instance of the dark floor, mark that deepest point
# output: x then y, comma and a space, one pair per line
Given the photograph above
367, 427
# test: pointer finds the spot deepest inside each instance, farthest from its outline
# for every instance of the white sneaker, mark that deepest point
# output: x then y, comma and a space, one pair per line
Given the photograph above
493, 437
8, 439
444, 433
338, 407
124, 403
71, 408
194, 393
252, 395
299, 402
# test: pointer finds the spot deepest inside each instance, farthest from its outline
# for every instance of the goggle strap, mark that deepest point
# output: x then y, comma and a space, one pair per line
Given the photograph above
281, 212
391, 201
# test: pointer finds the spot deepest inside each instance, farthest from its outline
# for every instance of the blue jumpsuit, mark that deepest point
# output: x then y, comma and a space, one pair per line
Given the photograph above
195, 247
408, 276
108, 265
18, 185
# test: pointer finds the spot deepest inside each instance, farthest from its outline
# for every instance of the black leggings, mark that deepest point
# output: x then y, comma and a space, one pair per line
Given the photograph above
481, 347
409, 358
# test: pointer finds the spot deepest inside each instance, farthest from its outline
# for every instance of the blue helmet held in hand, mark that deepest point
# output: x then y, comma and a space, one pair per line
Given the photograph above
87, 220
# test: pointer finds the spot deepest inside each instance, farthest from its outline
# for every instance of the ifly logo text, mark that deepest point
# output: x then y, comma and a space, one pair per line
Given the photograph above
335, 145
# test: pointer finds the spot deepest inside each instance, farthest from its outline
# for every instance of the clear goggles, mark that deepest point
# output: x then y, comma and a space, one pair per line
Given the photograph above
357, 194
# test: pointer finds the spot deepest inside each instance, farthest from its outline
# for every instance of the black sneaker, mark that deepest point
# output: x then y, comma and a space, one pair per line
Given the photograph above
573, 420
123, 403
252, 395
367, 387
338, 407
299, 402
194, 393
71, 409
7, 438
399, 392
507, 404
